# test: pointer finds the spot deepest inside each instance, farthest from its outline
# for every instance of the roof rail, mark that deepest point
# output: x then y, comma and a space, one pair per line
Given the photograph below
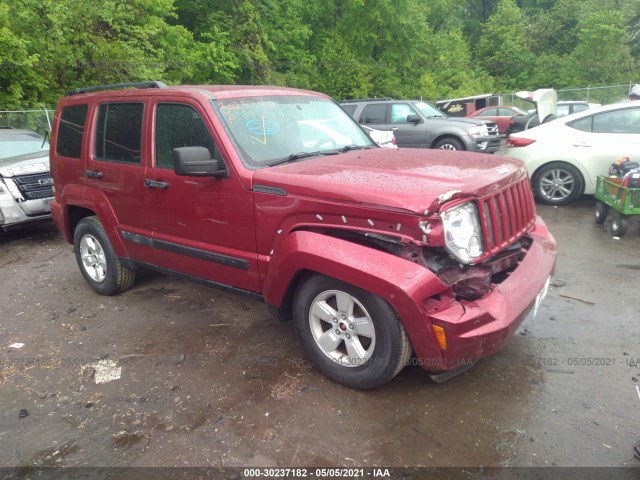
115, 86
375, 99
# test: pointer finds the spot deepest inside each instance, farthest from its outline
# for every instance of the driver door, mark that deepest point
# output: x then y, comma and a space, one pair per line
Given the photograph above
201, 226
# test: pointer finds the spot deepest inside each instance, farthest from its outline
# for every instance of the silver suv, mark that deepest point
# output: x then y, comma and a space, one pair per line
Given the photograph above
25, 182
418, 124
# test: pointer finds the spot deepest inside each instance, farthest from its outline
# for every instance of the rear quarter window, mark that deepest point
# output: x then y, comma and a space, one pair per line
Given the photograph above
70, 130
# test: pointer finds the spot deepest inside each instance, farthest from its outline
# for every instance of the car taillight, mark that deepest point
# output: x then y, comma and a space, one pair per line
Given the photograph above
519, 142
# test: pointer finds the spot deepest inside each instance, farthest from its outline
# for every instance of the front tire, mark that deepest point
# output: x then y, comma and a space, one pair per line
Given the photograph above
97, 260
354, 337
557, 183
449, 144
619, 225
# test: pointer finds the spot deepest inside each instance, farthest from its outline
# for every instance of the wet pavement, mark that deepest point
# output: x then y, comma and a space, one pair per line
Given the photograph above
196, 377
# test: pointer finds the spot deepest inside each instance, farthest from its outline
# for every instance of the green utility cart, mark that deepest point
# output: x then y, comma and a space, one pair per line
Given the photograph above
623, 200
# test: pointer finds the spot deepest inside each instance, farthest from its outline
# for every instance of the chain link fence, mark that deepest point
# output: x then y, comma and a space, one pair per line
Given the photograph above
36, 120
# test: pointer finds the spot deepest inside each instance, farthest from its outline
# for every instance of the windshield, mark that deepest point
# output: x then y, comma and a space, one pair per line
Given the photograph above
14, 143
271, 129
428, 110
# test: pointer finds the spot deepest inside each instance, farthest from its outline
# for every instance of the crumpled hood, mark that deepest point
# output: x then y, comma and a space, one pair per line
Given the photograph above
408, 179
36, 162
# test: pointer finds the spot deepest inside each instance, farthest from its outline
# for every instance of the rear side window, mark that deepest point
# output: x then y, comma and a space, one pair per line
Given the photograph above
70, 130
374, 114
119, 132
350, 109
179, 125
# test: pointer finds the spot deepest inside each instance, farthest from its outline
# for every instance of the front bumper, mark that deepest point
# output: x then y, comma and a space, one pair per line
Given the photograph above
13, 214
476, 329
489, 144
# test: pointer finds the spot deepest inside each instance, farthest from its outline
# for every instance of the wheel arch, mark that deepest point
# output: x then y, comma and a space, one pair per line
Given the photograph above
80, 202
446, 136
403, 284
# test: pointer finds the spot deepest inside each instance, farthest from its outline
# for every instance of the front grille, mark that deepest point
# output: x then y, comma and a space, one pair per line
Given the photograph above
493, 128
35, 186
506, 215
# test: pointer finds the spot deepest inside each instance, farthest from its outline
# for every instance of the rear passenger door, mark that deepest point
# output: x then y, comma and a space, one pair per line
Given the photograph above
604, 137
201, 226
115, 168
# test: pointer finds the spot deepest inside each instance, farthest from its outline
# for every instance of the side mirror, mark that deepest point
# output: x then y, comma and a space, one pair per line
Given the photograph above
415, 119
197, 162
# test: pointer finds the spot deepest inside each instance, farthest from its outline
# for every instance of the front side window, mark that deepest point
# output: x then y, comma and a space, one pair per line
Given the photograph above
280, 128
428, 110
118, 135
400, 112
70, 130
179, 125
490, 112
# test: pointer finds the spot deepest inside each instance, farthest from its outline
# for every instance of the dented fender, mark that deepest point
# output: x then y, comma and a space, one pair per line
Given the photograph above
403, 284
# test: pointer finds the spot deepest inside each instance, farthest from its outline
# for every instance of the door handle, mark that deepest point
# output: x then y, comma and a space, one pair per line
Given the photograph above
92, 174
155, 184
582, 144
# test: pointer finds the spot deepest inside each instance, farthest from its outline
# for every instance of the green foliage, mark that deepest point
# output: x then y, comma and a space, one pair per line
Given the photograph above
346, 48
601, 55
505, 49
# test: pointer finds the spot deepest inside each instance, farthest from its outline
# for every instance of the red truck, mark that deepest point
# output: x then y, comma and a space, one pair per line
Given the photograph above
379, 257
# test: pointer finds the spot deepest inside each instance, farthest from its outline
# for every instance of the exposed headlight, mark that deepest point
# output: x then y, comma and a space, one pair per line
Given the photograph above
462, 232
479, 131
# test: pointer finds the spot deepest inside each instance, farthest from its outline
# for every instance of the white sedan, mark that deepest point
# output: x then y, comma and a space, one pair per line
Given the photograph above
565, 156
383, 138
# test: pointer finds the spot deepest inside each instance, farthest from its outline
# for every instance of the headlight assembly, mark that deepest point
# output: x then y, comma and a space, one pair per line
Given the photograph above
462, 232
478, 131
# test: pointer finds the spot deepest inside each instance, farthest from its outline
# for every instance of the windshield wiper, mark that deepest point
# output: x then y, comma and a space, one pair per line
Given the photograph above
297, 156
346, 148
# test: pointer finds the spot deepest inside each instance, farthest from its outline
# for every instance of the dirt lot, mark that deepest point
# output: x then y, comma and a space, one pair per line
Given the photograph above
209, 379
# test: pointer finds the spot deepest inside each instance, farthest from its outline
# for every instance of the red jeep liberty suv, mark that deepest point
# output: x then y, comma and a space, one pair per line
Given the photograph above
380, 257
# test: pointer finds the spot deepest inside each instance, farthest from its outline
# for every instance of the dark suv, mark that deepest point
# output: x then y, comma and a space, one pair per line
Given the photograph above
419, 124
278, 194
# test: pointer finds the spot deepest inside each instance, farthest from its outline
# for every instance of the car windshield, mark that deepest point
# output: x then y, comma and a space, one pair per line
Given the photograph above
428, 110
274, 129
14, 143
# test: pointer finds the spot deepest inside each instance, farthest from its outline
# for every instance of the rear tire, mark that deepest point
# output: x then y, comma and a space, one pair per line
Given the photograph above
557, 183
601, 212
354, 337
98, 262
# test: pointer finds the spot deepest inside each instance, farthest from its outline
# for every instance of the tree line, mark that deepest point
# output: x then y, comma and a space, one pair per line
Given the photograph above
346, 48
